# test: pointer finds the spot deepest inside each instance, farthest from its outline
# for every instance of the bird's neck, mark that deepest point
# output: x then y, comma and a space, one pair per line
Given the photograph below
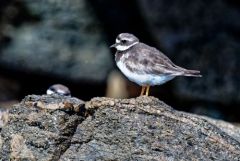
118, 55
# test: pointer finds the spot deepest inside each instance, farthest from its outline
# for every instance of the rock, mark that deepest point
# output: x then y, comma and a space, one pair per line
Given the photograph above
142, 128
199, 35
3, 117
33, 133
147, 129
65, 40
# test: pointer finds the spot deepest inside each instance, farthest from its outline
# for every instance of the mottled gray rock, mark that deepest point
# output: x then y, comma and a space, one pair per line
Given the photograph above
3, 117
65, 40
147, 129
201, 35
37, 133
142, 128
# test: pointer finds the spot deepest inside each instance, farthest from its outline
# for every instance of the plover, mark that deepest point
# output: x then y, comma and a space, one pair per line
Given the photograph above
145, 65
59, 89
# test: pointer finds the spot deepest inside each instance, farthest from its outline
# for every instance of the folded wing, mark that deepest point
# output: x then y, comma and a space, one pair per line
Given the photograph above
149, 60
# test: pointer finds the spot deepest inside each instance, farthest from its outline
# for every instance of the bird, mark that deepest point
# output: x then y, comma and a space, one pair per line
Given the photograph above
145, 65
58, 89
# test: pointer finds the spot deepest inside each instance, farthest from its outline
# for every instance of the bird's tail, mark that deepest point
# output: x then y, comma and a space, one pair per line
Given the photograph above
192, 73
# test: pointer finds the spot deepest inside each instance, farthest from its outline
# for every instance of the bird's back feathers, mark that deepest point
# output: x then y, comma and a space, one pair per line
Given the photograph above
144, 59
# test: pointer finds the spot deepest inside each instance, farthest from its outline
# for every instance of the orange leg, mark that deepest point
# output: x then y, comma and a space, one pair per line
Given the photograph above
143, 90
147, 91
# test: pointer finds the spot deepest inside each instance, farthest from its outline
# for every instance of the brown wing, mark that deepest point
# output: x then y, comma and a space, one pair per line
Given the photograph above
149, 60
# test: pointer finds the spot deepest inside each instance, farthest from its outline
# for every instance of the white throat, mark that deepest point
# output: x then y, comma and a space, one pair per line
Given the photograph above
123, 48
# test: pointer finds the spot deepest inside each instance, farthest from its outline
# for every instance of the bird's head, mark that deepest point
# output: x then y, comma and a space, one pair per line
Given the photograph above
59, 89
124, 41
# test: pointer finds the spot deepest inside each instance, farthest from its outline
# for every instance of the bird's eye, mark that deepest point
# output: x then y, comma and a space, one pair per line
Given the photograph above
124, 41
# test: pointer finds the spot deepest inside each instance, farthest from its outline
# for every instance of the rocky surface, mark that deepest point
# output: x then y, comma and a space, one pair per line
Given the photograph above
201, 35
59, 38
35, 133
3, 117
142, 128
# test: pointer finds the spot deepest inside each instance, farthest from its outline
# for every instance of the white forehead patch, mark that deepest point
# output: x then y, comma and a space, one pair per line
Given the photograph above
117, 41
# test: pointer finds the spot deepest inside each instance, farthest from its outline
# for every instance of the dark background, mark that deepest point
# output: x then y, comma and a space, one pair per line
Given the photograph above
66, 41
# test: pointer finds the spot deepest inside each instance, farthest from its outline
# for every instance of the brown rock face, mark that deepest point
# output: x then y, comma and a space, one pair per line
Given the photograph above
142, 128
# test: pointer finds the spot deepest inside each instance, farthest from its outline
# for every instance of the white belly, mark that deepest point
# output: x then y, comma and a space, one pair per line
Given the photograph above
143, 79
